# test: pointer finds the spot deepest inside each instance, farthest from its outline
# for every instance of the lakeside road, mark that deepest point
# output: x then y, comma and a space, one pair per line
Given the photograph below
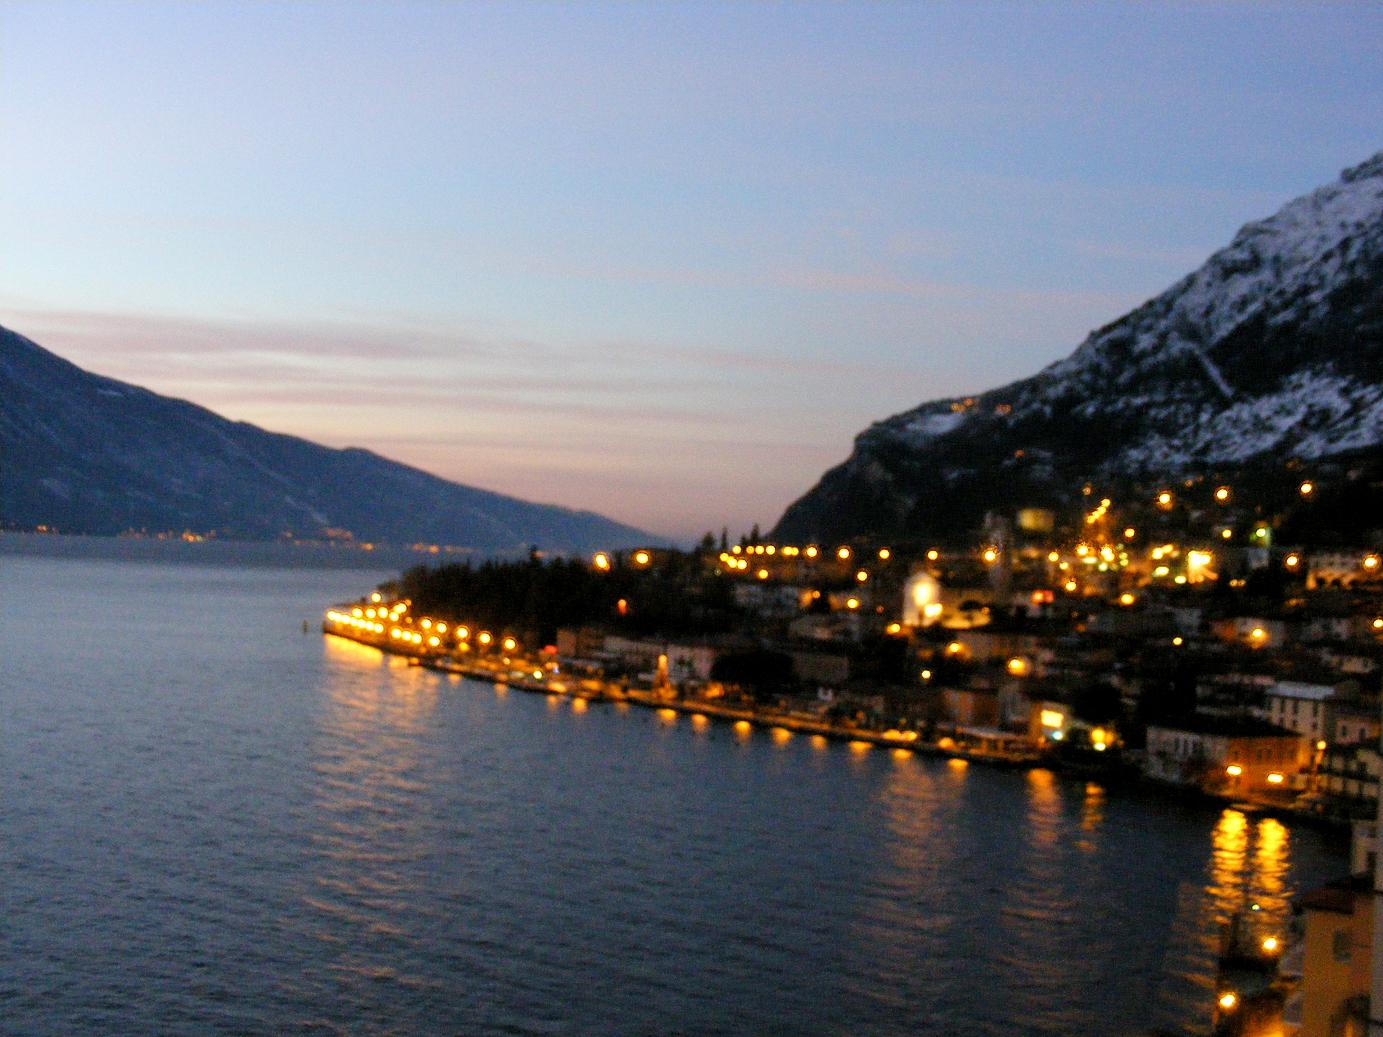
523, 675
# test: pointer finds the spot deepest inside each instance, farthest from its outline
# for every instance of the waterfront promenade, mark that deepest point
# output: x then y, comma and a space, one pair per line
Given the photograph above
524, 674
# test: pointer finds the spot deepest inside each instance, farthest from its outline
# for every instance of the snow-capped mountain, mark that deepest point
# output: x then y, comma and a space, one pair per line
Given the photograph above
87, 454
1271, 350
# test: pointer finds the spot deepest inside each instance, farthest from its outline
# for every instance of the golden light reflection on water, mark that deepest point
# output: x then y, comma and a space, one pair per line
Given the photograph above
579, 705
1044, 807
700, 722
1250, 861
1092, 810
820, 742
780, 735
365, 828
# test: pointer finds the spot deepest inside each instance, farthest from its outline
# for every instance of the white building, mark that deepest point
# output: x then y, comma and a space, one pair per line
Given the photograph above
1302, 707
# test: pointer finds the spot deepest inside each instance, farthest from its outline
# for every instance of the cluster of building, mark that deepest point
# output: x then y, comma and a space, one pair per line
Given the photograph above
1174, 629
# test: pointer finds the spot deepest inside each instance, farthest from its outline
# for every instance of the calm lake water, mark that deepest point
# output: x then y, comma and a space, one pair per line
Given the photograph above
213, 823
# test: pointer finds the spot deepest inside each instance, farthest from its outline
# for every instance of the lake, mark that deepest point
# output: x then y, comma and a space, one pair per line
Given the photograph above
212, 822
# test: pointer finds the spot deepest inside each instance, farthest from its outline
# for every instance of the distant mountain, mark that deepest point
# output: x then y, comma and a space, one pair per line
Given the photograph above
88, 454
1270, 351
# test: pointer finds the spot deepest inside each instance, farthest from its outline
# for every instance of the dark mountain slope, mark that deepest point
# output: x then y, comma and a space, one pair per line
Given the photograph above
88, 454
1272, 350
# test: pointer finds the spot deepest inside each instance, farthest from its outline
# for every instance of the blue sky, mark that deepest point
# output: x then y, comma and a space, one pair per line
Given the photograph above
661, 261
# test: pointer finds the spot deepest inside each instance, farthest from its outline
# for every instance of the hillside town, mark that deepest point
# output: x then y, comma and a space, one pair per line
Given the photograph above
1198, 636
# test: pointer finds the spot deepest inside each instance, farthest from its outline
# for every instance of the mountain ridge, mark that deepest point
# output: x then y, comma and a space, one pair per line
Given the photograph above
86, 453
1272, 348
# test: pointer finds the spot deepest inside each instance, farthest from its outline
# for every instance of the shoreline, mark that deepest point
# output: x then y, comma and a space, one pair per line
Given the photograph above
649, 698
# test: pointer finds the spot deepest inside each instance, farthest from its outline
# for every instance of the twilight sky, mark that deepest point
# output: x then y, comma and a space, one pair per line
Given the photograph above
659, 261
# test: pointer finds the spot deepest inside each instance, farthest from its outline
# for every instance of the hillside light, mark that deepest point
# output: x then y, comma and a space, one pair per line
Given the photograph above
762, 574
861, 576
641, 557
375, 597
843, 554
510, 644
1229, 1000
1178, 641
1378, 623
1371, 563
462, 633
990, 556
1127, 599
1130, 533
1258, 635
1226, 533
885, 554
1292, 561
484, 637
1053, 556
1270, 944
1234, 770
602, 561
1275, 778
1222, 494
926, 675
1018, 666
1165, 499
1306, 489
933, 555
852, 603
1320, 745
811, 552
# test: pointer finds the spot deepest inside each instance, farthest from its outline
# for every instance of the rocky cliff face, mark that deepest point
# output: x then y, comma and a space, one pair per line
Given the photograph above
1271, 350
88, 454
